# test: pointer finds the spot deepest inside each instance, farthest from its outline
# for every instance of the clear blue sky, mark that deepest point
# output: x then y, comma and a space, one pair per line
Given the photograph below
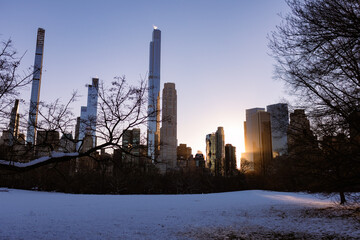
214, 51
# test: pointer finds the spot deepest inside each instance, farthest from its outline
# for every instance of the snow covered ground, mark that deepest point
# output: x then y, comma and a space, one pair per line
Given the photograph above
235, 215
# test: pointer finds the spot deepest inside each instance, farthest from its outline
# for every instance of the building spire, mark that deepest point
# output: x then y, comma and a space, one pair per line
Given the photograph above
35, 90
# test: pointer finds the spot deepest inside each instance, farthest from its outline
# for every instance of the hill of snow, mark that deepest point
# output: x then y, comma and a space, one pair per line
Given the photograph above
243, 215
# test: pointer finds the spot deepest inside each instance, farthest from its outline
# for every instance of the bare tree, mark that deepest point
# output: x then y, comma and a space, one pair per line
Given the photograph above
121, 107
317, 53
10, 79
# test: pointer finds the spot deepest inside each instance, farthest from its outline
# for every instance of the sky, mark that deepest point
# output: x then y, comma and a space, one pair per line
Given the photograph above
216, 52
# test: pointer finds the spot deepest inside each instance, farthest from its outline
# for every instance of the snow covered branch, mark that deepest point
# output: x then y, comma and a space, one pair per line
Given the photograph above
41, 161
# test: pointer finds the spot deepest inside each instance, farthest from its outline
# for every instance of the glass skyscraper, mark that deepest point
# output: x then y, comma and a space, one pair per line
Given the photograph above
88, 115
258, 145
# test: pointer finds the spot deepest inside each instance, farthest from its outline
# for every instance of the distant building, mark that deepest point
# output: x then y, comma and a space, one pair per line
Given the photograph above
5, 138
279, 117
35, 89
18, 151
67, 143
301, 138
199, 160
88, 116
258, 144
220, 152
230, 160
262, 148
154, 95
211, 151
168, 131
249, 130
184, 156
48, 138
9, 137
87, 143
215, 152
46, 142
21, 139
14, 123
183, 152
134, 158
131, 146
77, 129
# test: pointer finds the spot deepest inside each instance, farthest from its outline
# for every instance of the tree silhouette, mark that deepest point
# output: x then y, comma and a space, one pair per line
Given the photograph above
317, 53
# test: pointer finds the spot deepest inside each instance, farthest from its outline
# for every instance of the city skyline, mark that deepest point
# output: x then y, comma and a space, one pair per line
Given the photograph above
180, 119
195, 56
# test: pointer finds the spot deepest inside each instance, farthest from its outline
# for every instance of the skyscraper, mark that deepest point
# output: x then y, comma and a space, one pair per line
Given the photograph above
279, 117
215, 151
131, 146
220, 152
262, 146
230, 159
258, 139
88, 115
35, 89
211, 151
300, 136
154, 95
14, 123
168, 142
249, 133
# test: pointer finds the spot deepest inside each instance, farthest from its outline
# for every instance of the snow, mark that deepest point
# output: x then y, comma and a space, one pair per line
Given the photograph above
38, 160
251, 214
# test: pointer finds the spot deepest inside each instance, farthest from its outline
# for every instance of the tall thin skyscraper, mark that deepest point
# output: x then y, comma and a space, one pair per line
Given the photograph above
14, 123
35, 90
220, 152
154, 95
168, 130
88, 115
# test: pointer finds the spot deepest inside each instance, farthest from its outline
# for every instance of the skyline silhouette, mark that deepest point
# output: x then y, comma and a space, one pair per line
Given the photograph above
216, 55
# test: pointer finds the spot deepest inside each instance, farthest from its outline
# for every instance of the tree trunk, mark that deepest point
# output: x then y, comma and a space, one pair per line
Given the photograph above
342, 198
